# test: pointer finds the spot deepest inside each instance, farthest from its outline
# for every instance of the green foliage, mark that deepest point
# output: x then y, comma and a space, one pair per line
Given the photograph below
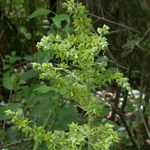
23, 23
40, 11
103, 136
74, 76
10, 60
23, 30
58, 18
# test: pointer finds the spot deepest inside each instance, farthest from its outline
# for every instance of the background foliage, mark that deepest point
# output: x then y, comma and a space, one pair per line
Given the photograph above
23, 23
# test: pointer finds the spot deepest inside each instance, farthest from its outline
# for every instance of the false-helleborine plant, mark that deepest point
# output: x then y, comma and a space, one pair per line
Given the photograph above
76, 55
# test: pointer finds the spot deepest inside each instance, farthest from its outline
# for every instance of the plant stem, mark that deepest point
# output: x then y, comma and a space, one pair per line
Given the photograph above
90, 119
90, 124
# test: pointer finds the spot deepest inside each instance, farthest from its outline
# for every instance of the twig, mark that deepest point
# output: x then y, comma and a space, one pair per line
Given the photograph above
116, 31
36, 119
95, 21
13, 27
146, 128
118, 65
114, 62
17, 142
1, 34
111, 16
140, 41
112, 57
141, 93
2, 59
10, 8
0, 53
25, 147
116, 102
128, 130
115, 23
94, 30
4, 4
101, 8
144, 37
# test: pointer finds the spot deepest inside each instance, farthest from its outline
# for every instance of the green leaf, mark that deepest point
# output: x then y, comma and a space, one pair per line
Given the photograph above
130, 44
102, 59
46, 27
15, 80
113, 69
32, 98
28, 57
12, 134
42, 110
2, 114
57, 20
121, 129
6, 80
63, 91
110, 122
6, 67
44, 56
66, 115
13, 53
43, 89
105, 112
123, 134
29, 74
46, 22
22, 29
40, 11
147, 112
28, 36
134, 124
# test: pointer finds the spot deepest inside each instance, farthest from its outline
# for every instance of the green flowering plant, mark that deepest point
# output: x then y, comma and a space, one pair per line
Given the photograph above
76, 55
